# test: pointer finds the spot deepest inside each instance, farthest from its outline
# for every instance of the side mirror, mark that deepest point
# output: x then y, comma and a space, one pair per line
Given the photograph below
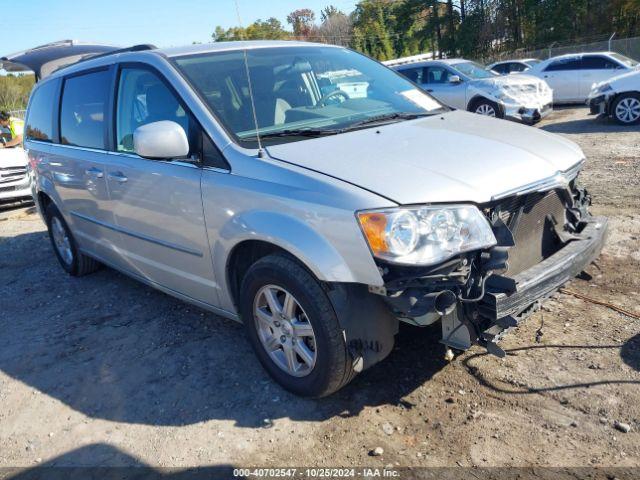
455, 79
161, 140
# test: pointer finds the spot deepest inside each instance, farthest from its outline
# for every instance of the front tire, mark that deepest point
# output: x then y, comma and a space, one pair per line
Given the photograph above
293, 328
65, 247
626, 109
483, 106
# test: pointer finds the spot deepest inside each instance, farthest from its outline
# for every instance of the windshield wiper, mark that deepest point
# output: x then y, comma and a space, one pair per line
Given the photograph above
389, 118
300, 132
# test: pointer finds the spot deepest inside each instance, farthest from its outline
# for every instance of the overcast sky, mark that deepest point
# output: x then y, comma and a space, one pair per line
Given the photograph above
28, 23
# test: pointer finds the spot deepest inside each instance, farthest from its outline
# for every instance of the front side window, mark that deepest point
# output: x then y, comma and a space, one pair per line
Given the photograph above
413, 74
82, 113
144, 98
39, 125
324, 89
473, 70
438, 75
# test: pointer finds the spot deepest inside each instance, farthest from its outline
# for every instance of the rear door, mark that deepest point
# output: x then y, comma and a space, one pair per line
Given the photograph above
562, 75
75, 160
595, 69
157, 204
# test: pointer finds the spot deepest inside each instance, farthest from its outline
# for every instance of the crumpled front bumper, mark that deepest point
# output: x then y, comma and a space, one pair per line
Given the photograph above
528, 114
547, 276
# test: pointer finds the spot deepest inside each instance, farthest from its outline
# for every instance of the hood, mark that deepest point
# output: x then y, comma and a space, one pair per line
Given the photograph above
13, 157
510, 81
455, 157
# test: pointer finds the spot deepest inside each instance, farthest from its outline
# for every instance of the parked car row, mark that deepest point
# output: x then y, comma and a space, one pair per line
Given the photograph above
308, 192
526, 89
467, 85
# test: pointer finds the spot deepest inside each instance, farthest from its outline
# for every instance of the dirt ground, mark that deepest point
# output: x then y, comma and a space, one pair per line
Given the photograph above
102, 370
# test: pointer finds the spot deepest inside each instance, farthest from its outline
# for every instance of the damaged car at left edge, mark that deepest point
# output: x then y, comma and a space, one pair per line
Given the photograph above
306, 191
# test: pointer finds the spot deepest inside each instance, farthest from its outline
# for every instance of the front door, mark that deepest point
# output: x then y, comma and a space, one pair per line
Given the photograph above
157, 204
437, 81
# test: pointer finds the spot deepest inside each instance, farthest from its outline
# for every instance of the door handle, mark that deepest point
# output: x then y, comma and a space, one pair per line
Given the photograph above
118, 177
95, 172
430, 90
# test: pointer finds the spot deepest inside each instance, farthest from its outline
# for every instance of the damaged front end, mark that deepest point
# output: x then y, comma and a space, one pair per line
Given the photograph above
544, 238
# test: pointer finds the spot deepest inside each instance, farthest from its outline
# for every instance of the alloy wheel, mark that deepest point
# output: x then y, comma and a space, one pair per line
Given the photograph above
284, 330
628, 110
486, 109
61, 241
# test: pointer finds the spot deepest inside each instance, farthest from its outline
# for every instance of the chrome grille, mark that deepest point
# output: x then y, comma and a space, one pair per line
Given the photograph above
12, 174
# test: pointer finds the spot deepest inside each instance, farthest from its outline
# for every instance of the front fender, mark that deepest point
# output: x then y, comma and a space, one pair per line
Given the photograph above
317, 252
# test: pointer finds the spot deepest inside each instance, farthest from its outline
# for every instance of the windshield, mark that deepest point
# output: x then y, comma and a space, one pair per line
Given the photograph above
300, 88
629, 62
473, 70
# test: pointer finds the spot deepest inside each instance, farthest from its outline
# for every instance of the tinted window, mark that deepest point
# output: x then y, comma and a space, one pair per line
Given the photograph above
413, 74
434, 75
143, 98
572, 63
596, 62
40, 121
82, 114
517, 67
501, 68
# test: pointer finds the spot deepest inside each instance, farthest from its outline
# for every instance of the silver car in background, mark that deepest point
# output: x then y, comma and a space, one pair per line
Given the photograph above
507, 67
307, 191
467, 85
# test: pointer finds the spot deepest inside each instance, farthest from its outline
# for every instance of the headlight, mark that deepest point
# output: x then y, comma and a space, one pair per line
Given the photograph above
425, 235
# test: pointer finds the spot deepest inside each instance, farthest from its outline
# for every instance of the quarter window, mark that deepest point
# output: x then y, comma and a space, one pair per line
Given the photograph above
82, 114
40, 120
143, 98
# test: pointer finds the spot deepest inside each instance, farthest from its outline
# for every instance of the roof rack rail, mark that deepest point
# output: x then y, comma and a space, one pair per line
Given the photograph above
134, 48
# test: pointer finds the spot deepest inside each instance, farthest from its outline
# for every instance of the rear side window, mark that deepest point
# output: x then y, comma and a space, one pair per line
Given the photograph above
40, 121
572, 63
597, 62
83, 110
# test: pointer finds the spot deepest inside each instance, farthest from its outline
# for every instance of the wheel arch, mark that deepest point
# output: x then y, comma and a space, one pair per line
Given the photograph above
250, 236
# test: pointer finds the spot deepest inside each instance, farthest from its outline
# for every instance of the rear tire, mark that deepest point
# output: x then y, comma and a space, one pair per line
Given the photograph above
626, 109
65, 247
281, 279
483, 106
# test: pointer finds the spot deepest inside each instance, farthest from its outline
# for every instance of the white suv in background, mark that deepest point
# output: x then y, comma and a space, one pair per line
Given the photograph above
572, 76
618, 98
466, 85
14, 179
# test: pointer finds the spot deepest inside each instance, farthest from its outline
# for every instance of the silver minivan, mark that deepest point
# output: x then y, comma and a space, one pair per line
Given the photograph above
307, 191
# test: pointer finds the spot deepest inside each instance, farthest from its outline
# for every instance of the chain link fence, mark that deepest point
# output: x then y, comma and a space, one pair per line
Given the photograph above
625, 46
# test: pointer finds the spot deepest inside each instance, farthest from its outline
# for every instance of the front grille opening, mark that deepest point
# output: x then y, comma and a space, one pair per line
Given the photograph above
531, 220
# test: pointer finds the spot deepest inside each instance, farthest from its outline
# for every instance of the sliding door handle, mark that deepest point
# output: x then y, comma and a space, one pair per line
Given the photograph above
118, 177
94, 172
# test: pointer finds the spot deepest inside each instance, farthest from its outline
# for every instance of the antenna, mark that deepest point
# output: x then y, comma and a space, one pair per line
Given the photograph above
253, 104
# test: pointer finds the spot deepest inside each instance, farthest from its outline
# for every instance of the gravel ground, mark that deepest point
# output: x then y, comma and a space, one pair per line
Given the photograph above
104, 371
